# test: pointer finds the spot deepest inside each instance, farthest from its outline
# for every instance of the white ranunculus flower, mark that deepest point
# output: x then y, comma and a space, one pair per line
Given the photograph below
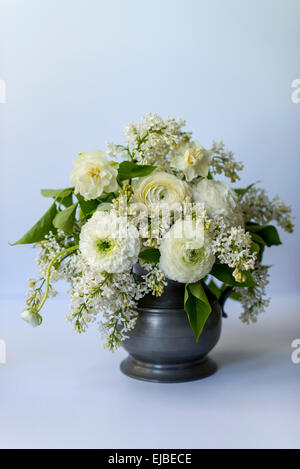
219, 199
192, 159
109, 243
33, 318
186, 252
94, 174
160, 187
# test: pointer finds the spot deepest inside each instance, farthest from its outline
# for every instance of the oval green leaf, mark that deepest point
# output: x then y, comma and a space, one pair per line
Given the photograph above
41, 228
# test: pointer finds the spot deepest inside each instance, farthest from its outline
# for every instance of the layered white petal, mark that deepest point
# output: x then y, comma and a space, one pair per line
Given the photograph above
109, 243
160, 188
219, 199
93, 174
186, 253
192, 159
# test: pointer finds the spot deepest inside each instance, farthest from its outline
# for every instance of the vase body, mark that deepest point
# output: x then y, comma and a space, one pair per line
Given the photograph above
162, 346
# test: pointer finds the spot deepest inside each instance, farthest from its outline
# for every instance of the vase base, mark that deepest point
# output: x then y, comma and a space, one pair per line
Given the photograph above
177, 373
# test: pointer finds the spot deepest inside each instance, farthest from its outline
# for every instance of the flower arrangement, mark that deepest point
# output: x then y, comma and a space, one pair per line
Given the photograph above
154, 201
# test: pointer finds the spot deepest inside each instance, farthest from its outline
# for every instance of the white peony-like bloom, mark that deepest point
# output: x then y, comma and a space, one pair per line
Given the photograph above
192, 159
33, 318
94, 174
186, 252
109, 243
160, 188
219, 199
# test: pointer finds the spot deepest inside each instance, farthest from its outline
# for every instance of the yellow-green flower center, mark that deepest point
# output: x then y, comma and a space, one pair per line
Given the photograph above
193, 256
105, 246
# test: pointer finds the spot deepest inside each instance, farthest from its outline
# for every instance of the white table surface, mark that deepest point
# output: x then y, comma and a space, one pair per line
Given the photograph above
63, 390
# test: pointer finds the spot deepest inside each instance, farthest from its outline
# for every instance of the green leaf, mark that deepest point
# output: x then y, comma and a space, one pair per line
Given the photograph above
217, 291
105, 207
128, 170
107, 197
214, 288
258, 239
268, 233
197, 307
87, 206
224, 273
64, 220
150, 255
244, 191
41, 228
63, 196
260, 243
236, 296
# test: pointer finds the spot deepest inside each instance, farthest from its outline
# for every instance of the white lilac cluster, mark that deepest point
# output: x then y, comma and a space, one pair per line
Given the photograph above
162, 207
258, 208
48, 249
234, 247
151, 140
155, 280
52, 246
253, 299
115, 296
223, 162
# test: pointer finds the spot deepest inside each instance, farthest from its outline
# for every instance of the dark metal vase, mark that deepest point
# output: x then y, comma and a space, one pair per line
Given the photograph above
162, 347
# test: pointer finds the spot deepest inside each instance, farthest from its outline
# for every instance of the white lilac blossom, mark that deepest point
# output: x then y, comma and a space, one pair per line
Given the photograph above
258, 208
192, 159
253, 299
175, 218
109, 243
155, 280
223, 162
93, 174
186, 252
219, 198
113, 296
152, 139
52, 245
233, 247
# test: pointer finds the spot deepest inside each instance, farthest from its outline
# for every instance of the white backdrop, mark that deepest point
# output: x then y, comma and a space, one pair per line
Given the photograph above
75, 72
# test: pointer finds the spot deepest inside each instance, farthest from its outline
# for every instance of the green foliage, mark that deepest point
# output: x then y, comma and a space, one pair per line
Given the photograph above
88, 207
64, 220
217, 291
129, 170
268, 234
244, 191
224, 273
197, 307
41, 228
151, 255
236, 296
62, 196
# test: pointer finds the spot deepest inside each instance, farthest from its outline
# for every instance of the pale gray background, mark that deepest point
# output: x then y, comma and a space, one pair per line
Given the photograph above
76, 71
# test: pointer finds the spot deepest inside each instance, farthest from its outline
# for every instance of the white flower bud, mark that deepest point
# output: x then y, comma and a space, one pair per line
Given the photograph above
33, 318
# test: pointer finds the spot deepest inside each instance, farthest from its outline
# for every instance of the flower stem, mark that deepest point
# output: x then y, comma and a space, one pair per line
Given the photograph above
65, 251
